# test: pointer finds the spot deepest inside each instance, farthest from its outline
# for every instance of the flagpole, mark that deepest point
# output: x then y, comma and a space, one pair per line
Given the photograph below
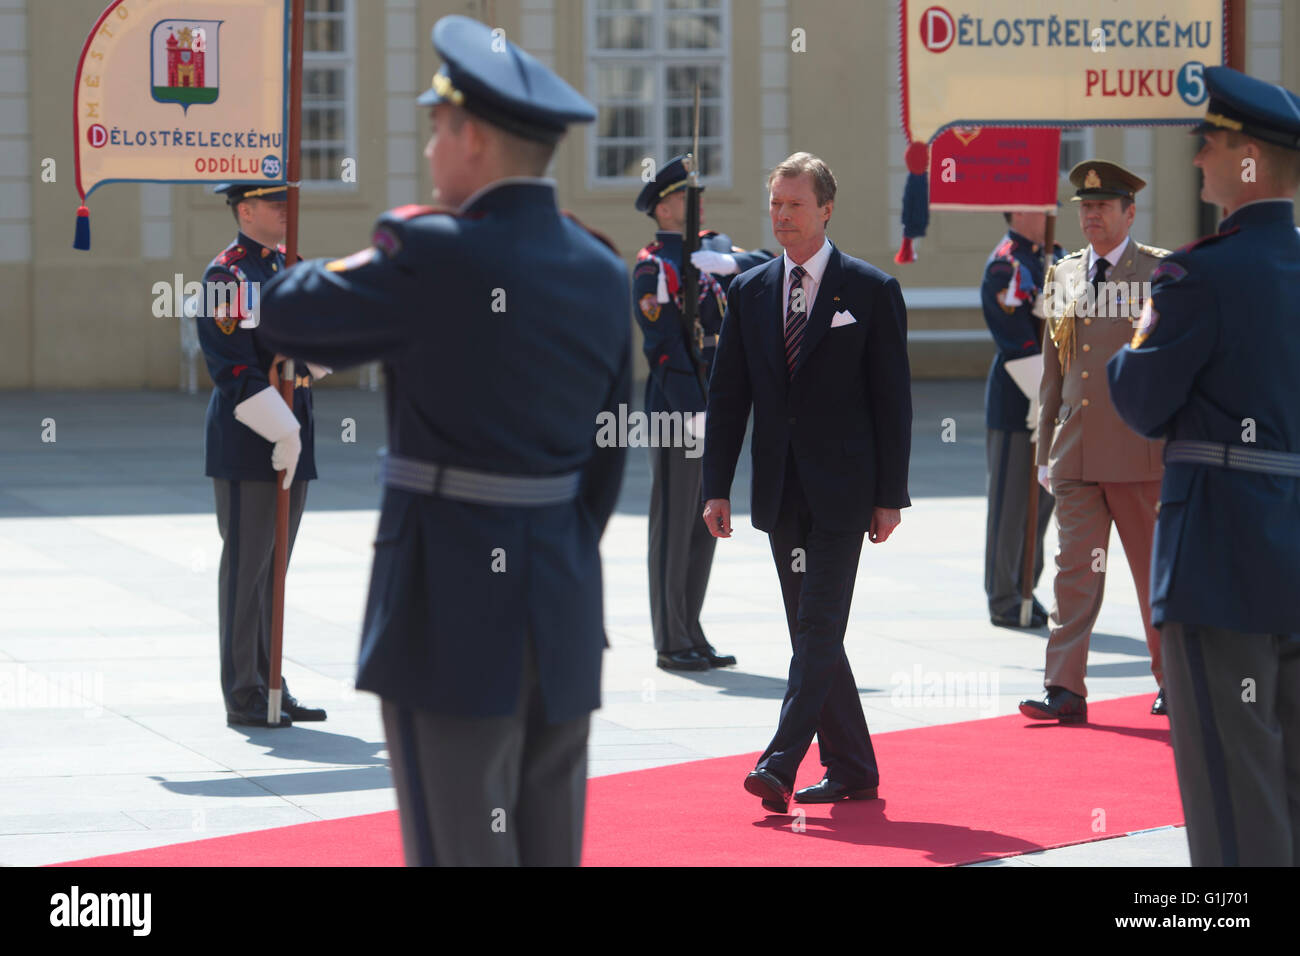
293, 175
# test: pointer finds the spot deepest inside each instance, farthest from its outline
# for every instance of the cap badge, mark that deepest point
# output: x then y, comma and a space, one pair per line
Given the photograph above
1092, 180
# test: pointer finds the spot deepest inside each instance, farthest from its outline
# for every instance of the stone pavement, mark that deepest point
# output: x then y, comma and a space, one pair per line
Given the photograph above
112, 731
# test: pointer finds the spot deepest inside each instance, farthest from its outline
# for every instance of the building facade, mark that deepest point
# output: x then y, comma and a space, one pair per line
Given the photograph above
776, 76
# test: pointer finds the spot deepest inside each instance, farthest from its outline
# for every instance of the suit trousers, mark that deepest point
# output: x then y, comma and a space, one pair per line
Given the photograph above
1234, 715
817, 567
1084, 512
246, 581
490, 791
681, 551
1010, 457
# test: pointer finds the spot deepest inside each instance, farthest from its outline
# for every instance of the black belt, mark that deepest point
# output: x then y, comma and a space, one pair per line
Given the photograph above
477, 487
1235, 457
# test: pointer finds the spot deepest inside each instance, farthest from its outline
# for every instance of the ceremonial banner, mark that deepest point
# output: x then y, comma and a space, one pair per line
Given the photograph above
1056, 62
1004, 168
182, 91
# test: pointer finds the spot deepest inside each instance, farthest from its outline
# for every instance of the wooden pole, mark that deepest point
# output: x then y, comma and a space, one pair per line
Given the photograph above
293, 174
1031, 511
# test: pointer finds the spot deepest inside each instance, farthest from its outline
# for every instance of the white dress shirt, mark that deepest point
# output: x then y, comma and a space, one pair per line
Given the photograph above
1113, 257
815, 268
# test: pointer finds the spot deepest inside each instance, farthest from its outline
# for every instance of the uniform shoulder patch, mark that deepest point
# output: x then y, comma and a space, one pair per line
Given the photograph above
1171, 271
649, 305
646, 267
600, 236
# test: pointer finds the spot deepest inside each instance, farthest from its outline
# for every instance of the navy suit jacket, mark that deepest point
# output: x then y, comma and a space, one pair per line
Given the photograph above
505, 337
845, 414
1219, 365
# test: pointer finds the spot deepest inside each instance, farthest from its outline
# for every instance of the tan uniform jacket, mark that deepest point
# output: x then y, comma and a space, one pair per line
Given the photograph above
1080, 435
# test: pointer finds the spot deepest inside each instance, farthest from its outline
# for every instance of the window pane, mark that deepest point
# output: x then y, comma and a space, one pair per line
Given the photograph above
623, 122
610, 6
320, 123
323, 6
624, 83
710, 155
623, 33
681, 82
322, 83
694, 33
692, 4
323, 35
615, 161
681, 121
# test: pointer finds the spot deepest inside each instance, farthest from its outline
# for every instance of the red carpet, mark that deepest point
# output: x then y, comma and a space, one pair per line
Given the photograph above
951, 794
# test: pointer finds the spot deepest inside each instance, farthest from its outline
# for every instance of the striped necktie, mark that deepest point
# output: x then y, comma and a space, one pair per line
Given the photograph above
796, 317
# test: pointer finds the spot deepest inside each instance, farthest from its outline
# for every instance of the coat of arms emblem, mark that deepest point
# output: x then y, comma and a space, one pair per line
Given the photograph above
186, 65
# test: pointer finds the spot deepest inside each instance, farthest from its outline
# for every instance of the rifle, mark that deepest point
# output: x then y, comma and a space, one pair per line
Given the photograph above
691, 327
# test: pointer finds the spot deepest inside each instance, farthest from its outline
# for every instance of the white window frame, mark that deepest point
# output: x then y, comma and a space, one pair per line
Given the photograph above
660, 59
1086, 138
347, 60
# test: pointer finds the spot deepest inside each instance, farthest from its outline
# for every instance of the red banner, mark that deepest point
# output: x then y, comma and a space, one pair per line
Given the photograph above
1005, 168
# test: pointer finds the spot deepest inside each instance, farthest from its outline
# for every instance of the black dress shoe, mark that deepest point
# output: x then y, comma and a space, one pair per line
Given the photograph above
1037, 618
691, 660
1057, 704
714, 658
256, 718
774, 793
296, 711
1158, 708
827, 791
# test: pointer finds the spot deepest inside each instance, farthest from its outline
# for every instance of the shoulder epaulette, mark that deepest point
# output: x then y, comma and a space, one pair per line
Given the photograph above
1077, 252
1206, 240
1005, 248
1153, 250
600, 236
231, 255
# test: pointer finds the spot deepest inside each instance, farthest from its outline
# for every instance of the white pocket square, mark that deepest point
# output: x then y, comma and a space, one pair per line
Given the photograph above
842, 318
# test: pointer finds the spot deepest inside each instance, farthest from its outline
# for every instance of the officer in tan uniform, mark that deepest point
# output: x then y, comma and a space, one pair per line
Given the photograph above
1098, 469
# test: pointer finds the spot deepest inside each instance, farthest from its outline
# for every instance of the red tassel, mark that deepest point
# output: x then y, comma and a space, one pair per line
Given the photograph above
906, 252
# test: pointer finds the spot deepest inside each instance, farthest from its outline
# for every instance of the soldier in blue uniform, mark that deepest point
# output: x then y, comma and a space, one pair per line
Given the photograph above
681, 547
503, 327
1013, 280
1212, 368
251, 434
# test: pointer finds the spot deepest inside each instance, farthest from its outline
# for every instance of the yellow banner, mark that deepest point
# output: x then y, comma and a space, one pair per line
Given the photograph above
183, 91
1077, 63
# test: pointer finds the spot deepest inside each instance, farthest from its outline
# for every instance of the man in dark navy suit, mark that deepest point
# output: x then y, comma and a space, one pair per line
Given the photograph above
816, 343
503, 326
1212, 369
251, 434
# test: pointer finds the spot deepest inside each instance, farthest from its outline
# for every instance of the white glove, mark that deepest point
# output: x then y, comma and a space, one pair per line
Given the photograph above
1043, 479
318, 372
268, 415
695, 424
717, 263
